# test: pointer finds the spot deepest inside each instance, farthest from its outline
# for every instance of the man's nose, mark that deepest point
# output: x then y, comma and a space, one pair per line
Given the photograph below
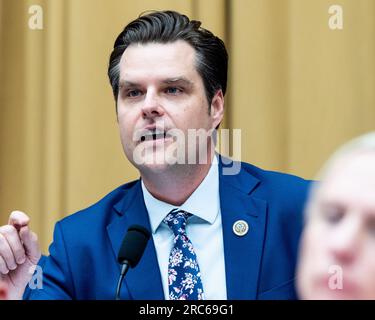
152, 107
344, 243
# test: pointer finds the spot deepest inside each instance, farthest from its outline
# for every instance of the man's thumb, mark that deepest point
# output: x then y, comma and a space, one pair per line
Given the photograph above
30, 242
18, 219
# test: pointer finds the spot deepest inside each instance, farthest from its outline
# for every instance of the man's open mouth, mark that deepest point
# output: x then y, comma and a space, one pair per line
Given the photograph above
153, 135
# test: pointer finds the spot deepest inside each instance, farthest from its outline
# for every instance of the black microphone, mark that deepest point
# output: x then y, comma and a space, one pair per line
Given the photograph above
131, 251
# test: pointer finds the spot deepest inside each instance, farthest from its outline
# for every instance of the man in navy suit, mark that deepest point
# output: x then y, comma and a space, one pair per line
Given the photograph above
240, 224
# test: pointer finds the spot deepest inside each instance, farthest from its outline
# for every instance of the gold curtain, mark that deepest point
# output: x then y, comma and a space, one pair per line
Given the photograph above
297, 90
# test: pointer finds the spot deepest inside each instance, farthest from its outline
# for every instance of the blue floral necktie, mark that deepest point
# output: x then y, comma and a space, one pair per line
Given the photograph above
184, 277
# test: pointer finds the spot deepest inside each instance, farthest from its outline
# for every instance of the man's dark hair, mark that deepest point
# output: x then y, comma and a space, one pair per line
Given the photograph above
167, 27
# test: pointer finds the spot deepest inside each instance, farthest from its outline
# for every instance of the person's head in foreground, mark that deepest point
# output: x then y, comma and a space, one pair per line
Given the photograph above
337, 252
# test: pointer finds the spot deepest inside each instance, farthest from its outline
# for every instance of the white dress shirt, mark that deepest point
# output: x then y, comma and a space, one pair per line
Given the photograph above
204, 230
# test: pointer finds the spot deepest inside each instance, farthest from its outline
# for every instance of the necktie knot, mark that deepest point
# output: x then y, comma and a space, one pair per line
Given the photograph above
176, 220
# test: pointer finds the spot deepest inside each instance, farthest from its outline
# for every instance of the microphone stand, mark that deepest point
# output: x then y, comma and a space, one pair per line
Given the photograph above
124, 270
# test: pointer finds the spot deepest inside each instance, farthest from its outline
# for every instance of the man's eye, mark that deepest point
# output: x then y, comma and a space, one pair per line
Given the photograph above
371, 226
332, 215
133, 93
173, 90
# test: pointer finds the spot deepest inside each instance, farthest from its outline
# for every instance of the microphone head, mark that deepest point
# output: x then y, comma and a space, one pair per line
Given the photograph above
133, 245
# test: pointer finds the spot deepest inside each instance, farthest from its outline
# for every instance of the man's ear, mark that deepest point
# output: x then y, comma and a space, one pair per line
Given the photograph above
217, 108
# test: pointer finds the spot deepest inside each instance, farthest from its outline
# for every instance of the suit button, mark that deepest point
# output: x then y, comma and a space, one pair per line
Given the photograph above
240, 228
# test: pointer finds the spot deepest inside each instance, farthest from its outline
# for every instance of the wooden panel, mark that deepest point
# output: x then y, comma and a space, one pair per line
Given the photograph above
332, 80
258, 91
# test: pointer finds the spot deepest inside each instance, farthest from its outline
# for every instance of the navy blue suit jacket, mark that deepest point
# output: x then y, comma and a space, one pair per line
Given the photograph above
260, 265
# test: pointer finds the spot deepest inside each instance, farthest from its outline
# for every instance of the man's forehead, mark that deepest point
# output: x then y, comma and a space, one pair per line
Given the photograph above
350, 178
355, 165
178, 50
158, 62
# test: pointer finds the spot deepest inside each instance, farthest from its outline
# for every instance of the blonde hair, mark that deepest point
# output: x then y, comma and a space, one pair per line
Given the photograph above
363, 143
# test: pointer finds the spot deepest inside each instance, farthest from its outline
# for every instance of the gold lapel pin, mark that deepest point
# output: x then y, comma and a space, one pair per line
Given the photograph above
240, 228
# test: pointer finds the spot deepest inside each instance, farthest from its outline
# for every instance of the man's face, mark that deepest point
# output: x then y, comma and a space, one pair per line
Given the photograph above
338, 248
161, 92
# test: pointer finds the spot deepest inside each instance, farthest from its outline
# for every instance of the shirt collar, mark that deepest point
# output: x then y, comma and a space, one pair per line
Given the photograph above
203, 202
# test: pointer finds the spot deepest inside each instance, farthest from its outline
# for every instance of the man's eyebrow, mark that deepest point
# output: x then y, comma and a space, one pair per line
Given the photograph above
182, 80
124, 83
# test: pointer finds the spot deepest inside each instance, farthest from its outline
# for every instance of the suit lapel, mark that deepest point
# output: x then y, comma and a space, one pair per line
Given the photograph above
143, 282
243, 254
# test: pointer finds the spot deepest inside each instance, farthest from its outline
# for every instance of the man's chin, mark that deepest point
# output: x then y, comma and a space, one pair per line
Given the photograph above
154, 167
156, 163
